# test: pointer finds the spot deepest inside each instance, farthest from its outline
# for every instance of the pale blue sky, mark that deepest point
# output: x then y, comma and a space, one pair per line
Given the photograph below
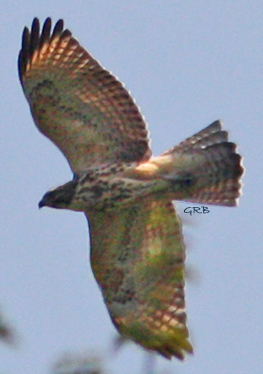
187, 64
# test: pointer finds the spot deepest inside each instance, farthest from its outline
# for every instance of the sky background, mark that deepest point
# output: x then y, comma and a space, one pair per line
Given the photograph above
187, 63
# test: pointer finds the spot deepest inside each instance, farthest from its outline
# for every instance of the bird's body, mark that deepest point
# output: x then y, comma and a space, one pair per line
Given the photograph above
137, 250
109, 187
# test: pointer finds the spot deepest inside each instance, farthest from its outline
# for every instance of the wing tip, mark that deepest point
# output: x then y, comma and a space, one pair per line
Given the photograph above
179, 352
58, 28
33, 40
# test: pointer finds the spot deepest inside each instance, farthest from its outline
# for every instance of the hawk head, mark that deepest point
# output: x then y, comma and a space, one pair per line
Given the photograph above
61, 197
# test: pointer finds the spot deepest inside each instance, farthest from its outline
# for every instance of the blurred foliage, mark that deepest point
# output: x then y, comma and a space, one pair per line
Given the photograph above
6, 331
78, 364
84, 363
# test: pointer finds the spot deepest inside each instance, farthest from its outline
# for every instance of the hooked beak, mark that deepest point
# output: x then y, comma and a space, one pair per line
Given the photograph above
41, 204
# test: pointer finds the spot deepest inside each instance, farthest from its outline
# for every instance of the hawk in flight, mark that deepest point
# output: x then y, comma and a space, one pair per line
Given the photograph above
137, 250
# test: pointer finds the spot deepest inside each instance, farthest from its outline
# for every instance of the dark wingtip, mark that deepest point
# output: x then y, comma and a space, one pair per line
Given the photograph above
34, 40
58, 28
34, 37
23, 54
45, 35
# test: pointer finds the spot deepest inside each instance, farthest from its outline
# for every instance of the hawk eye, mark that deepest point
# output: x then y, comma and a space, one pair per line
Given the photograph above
188, 180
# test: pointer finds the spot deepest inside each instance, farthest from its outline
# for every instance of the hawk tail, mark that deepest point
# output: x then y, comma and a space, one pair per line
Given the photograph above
204, 168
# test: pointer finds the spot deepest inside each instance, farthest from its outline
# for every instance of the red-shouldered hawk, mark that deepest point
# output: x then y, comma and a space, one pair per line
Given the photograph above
137, 250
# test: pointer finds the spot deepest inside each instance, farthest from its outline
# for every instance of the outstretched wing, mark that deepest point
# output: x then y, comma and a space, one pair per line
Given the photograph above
138, 260
77, 104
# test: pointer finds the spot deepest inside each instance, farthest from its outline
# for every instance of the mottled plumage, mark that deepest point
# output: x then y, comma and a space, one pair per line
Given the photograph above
137, 250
